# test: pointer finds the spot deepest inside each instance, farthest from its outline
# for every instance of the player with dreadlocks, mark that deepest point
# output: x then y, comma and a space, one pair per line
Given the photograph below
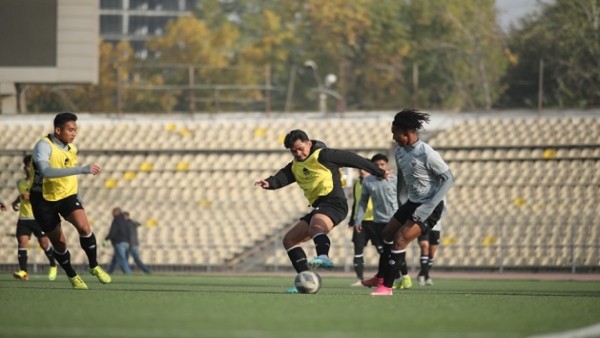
425, 178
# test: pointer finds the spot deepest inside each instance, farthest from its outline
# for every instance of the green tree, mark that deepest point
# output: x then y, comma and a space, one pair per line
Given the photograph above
268, 51
566, 36
381, 58
457, 46
115, 65
189, 45
362, 42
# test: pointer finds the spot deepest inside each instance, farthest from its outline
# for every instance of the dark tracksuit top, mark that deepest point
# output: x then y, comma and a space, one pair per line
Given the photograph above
319, 175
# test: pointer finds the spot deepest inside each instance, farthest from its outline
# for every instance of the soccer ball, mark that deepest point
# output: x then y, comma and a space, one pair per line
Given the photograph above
308, 282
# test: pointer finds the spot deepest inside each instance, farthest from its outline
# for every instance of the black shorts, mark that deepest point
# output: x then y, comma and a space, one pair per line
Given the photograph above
407, 209
371, 231
47, 213
25, 227
336, 209
432, 236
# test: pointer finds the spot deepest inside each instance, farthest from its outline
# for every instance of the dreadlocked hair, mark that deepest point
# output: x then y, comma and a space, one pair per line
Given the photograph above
410, 119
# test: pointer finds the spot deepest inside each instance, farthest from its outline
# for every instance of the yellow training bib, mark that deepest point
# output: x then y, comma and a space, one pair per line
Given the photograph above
55, 189
313, 178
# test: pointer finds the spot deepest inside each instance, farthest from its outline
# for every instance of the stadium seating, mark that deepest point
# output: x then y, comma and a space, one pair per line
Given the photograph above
530, 183
189, 183
525, 193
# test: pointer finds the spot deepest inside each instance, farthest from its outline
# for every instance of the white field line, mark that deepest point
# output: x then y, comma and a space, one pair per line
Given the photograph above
584, 332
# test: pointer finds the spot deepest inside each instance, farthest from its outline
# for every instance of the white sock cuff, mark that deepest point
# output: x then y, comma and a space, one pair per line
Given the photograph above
292, 248
60, 253
319, 234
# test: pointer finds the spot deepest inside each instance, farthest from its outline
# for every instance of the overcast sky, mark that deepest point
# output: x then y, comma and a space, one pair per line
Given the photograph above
512, 10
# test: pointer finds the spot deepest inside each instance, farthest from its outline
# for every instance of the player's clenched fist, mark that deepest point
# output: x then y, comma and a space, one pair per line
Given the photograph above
94, 169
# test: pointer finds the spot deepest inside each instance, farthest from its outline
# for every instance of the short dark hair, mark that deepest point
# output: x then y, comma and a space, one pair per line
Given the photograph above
410, 119
294, 136
379, 157
27, 159
62, 118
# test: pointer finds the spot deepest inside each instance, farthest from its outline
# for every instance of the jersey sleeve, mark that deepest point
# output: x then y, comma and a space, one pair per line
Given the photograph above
362, 204
349, 159
282, 178
41, 152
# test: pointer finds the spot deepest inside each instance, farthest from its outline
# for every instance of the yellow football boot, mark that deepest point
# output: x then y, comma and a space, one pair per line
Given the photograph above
102, 276
52, 271
78, 283
22, 275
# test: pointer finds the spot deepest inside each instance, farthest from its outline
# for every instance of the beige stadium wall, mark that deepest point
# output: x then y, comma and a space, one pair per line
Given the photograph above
76, 51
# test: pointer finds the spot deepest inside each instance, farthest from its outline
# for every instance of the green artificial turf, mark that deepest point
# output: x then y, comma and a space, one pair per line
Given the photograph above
256, 306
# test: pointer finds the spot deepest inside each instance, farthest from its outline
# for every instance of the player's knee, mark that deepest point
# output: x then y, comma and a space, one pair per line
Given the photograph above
84, 230
315, 229
400, 243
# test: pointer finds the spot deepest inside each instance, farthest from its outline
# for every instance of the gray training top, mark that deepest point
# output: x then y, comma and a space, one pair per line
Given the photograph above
383, 195
425, 176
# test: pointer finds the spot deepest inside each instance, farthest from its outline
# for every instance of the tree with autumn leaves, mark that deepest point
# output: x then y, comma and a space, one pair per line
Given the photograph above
386, 54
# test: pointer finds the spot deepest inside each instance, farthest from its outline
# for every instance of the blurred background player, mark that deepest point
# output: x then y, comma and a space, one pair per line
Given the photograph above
26, 225
118, 235
316, 170
359, 237
384, 196
134, 242
54, 193
427, 178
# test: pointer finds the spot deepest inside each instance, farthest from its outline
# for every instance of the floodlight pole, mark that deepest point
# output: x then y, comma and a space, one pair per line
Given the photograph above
541, 87
320, 87
119, 95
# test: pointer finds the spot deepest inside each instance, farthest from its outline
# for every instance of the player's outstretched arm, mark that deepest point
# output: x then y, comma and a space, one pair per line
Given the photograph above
282, 178
349, 159
41, 159
47, 171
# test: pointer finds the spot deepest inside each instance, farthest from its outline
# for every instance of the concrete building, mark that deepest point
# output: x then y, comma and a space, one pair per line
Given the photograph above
137, 21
